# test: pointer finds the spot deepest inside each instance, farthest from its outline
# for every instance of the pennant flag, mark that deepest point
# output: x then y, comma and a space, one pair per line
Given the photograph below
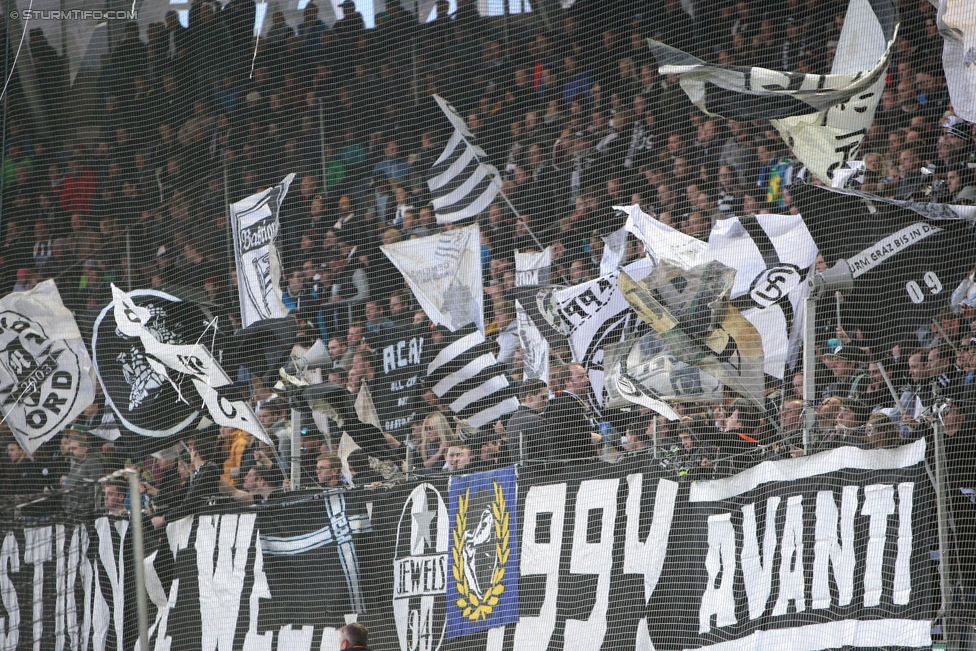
46, 376
957, 25
535, 348
532, 267
822, 117
614, 251
461, 185
773, 256
691, 310
662, 242
467, 376
444, 273
483, 585
365, 409
596, 315
532, 270
192, 361
254, 222
904, 266
644, 369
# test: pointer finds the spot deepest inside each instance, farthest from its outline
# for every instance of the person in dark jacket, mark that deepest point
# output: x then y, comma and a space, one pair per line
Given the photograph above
527, 426
24, 475
741, 438
362, 475
82, 495
202, 484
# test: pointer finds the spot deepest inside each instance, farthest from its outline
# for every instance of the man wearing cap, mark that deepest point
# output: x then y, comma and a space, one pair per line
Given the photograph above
954, 145
848, 366
351, 26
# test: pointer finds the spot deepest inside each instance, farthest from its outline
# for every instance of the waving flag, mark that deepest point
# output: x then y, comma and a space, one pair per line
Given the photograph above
773, 256
532, 267
904, 266
597, 315
46, 376
467, 376
444, 273
254, 222
193, 361
691, 311
956, 21
823, 117
461, 185
662, 242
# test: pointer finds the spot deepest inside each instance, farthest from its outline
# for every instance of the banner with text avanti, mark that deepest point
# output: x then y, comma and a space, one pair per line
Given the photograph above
823, 552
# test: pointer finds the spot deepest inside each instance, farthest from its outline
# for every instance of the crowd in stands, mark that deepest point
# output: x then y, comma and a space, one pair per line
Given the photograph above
575, 116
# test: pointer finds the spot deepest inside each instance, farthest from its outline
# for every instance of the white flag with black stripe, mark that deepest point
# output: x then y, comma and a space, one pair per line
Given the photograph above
461, 184
466, 375
823, 117
773, 256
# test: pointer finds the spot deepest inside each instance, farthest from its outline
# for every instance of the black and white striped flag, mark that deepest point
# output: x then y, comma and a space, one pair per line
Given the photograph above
461, 185
467, 376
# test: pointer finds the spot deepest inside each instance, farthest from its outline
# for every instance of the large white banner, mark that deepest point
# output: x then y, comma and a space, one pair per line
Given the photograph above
444, 273
46, 375
255, 224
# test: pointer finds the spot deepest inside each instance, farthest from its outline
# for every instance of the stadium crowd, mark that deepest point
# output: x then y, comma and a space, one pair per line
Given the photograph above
577, 119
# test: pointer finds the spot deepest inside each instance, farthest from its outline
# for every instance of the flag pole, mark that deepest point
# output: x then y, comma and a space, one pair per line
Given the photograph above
138, 558
230, 220
325, 169
941, 510
497, 179
296, 449
518, 217
839, 279
809, 369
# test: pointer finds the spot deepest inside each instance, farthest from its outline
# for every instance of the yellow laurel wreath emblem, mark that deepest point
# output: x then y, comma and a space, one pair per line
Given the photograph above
471, 606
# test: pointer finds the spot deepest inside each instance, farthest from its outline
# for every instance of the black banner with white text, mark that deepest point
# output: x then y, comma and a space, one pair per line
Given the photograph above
823, 552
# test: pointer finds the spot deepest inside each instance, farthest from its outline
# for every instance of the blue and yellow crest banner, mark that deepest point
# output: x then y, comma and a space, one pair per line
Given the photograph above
482, 582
